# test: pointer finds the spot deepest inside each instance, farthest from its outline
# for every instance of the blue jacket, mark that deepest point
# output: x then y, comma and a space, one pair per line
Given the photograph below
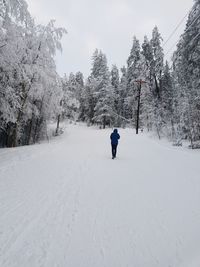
114, 137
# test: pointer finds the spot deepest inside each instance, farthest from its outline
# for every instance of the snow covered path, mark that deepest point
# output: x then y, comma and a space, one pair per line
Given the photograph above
67, 204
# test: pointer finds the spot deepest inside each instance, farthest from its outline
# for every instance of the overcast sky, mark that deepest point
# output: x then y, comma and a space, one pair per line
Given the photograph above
108, 25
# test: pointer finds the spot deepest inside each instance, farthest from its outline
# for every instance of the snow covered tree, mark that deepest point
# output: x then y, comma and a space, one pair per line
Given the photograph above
186, 70
103, 111
71, 98
153, 55
30, 89
115, 77
157, 63
132, 75
167, 95
89, 100
15, 11
80, 94
79, 84
103, 94
115, 82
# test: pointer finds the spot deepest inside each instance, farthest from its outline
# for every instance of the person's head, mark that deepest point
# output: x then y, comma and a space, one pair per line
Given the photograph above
115, 131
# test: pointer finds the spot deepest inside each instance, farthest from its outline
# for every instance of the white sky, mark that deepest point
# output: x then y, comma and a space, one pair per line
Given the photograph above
108, 25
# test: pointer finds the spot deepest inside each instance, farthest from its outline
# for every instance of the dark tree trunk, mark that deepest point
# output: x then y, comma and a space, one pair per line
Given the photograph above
29, 131
104, 122
157, 87
58, 124
138, 107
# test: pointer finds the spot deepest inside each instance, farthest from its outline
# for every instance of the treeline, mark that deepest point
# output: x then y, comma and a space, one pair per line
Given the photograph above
170, 96
30, 88
110, 97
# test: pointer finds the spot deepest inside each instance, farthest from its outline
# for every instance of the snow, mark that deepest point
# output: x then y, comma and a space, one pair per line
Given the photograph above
68, 204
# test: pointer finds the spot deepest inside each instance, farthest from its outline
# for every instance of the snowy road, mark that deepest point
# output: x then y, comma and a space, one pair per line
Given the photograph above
67, 204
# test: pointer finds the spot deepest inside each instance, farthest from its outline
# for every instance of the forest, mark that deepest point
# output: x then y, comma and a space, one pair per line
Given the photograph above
147, 93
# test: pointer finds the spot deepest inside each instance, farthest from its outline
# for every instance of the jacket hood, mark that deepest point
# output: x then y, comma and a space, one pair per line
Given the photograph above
115, 131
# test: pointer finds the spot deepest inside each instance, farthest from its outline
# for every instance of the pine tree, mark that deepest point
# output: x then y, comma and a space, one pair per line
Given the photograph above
157, 63
156, 72
89, 97
186, 69
115, 80
71, 101
133, 73
167, 93
103, 93
122, 96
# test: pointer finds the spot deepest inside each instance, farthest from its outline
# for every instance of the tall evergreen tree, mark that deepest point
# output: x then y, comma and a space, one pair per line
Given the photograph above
156, 72
133, 73
186, 66
103, 93
157, 63
71, 100
115, 82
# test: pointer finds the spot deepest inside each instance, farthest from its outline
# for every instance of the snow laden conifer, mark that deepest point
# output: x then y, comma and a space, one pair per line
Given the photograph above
167, 98
154, 96
157, 62
132, 74
115, 82
186, 71
89, 100
148, 97
153, 57
122, 96
79, 84
103, 95
72, 95
80, 92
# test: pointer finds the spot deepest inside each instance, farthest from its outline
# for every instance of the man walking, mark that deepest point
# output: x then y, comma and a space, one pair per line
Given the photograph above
114, 142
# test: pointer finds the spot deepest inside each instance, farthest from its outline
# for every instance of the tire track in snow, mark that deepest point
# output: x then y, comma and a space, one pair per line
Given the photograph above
58, 213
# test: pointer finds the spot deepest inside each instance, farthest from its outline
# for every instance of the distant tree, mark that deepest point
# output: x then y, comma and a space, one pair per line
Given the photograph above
115, 83
133, 73
157, 62
71, 97
89, 98
103, 93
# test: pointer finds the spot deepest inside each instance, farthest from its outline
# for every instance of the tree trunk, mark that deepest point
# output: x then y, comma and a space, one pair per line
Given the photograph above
104, 122
138, 107
29, 131
58, 124
157, 87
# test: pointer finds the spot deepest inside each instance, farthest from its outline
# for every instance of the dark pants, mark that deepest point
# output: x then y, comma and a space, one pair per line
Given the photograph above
114, 150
